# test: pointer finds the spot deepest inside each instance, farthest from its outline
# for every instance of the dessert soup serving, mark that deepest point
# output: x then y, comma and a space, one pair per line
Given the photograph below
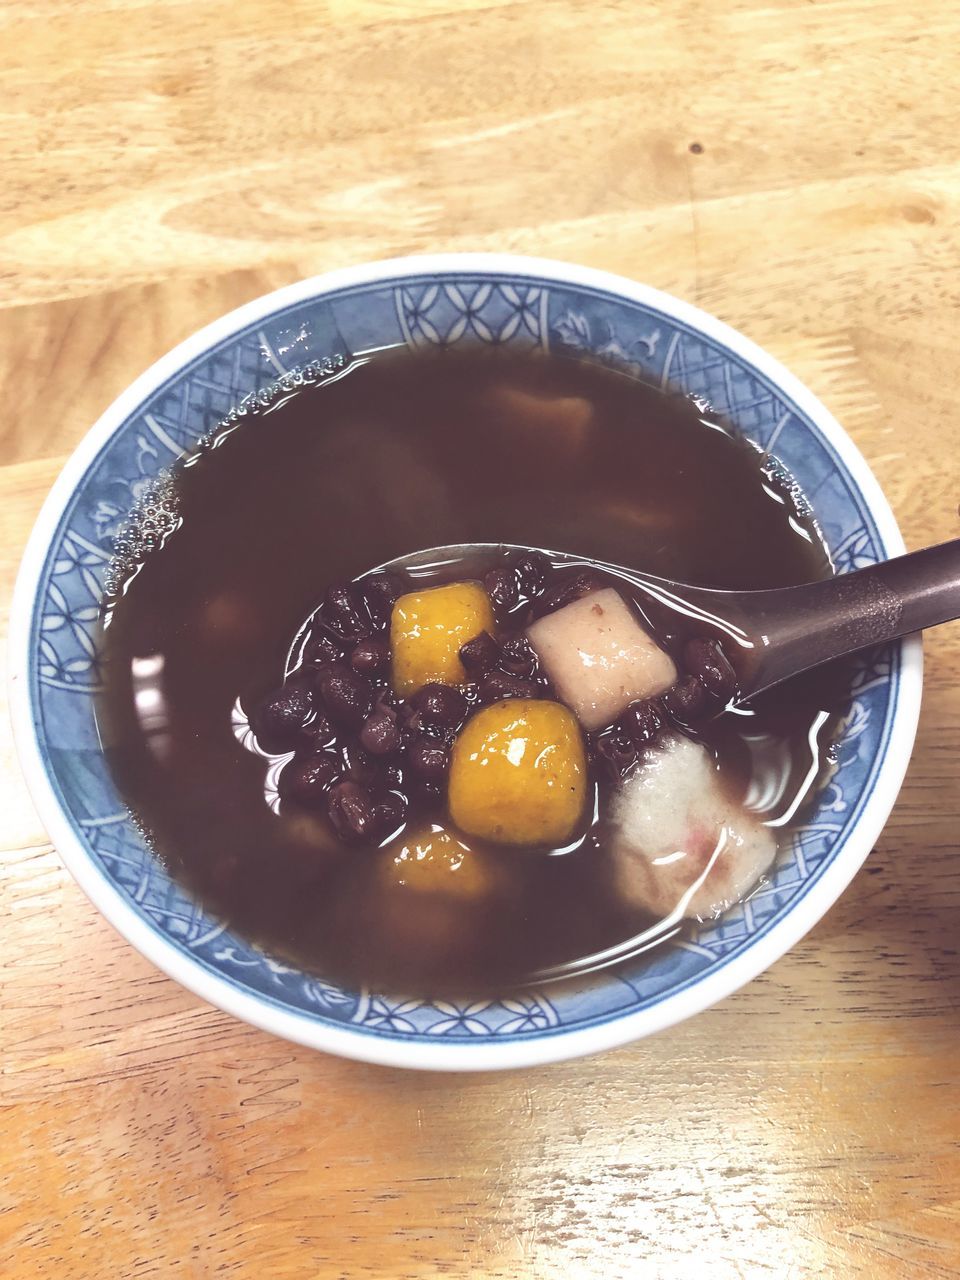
484, 807
479, 773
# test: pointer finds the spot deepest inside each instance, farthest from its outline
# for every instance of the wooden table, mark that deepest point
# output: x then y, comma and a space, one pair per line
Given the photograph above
792, 167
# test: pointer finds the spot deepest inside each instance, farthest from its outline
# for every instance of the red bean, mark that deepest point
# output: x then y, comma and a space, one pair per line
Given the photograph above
616, 753
379, 592
428, 760
503, 587
480, 654
344, 612
350, 809
686, 701
380, 734
306, 779
533, 568
278, 720
518, 657
641, 722
571, 587
706, 660
320, 650
440, 706
346, 696
370, 657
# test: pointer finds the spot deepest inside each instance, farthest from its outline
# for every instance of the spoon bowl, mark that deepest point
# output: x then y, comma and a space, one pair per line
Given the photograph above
767, 636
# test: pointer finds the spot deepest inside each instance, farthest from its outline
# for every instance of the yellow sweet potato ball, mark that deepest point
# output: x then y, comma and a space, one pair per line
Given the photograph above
518, 773
427, 629
429, 860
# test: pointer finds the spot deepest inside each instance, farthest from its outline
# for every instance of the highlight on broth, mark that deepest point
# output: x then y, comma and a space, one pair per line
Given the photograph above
475, 774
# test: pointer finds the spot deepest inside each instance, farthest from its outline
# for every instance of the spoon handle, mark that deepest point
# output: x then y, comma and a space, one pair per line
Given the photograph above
799, 627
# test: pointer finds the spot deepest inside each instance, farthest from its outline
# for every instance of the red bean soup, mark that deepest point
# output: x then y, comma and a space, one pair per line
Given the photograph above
491, 770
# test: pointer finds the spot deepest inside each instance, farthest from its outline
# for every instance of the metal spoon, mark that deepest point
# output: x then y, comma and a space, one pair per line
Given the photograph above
777, 633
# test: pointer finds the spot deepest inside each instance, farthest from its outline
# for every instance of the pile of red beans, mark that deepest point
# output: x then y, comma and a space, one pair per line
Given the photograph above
370, 760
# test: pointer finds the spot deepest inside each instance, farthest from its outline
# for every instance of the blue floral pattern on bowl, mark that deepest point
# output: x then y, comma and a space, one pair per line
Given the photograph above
433, 310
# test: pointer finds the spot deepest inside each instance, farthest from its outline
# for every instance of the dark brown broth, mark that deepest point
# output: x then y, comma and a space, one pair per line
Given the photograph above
406, 452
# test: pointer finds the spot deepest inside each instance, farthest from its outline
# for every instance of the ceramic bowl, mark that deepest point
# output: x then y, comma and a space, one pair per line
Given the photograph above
425, 302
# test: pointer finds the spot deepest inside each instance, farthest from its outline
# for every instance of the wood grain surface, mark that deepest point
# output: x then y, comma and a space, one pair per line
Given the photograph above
791, 166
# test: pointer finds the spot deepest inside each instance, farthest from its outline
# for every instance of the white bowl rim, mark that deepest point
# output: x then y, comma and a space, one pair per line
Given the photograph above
481, 1054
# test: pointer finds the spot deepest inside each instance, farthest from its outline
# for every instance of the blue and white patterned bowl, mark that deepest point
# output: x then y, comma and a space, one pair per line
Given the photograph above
424, 302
